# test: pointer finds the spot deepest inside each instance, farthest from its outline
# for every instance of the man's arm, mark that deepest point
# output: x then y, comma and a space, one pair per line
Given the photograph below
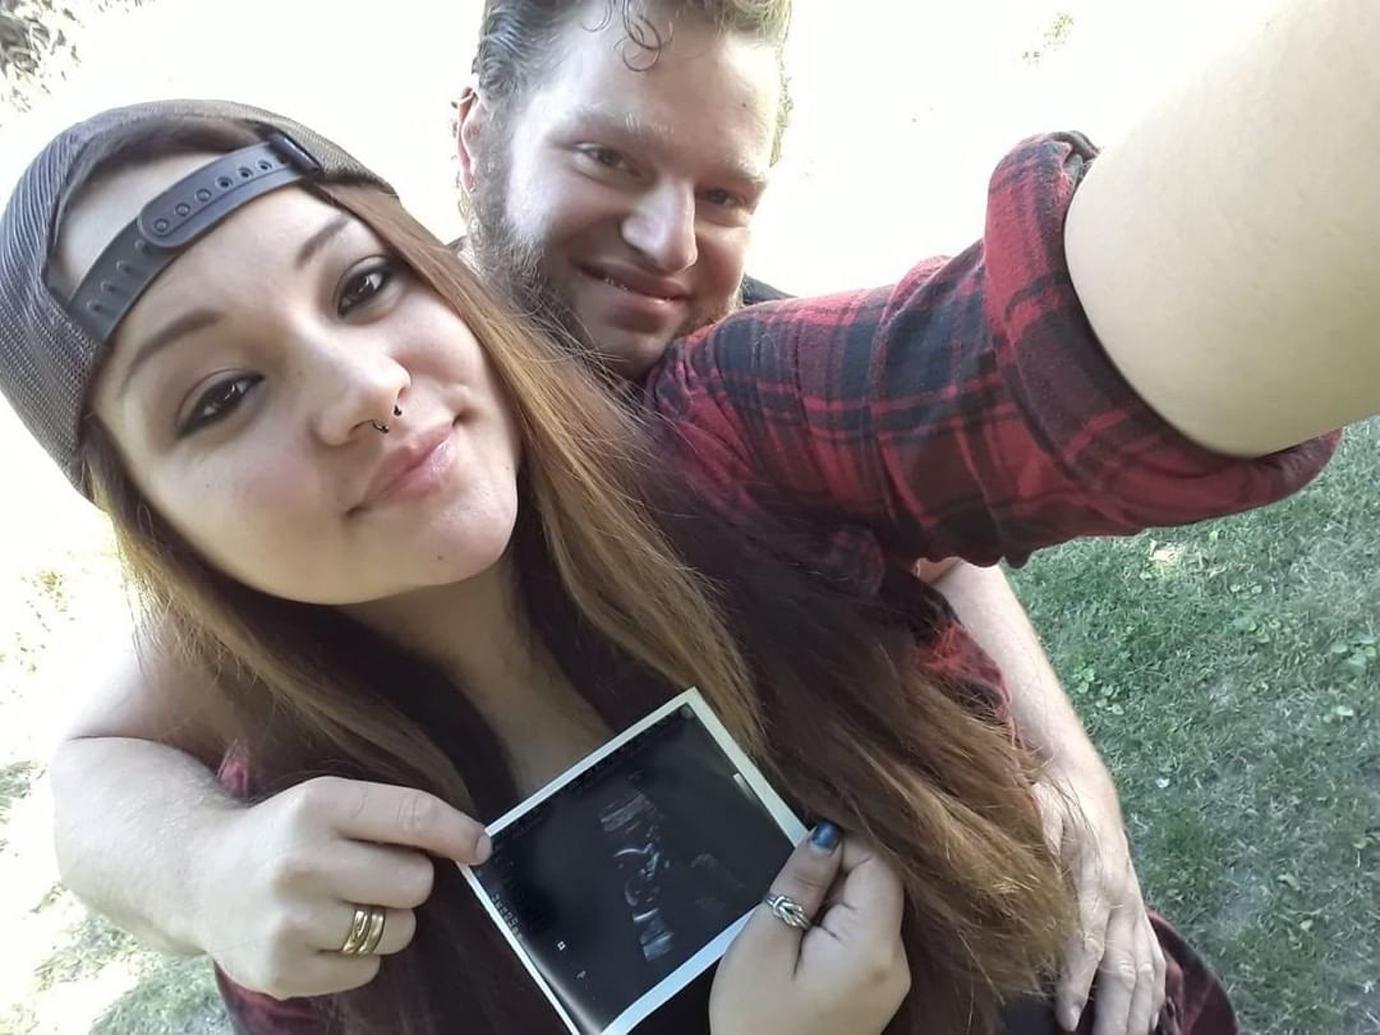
146, 835
1081, 807
126, 811
994, 617
133, 790
1226, 251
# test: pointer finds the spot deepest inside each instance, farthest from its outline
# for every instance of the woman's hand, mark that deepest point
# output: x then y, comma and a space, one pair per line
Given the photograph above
278, 883
1114, 941
847, 973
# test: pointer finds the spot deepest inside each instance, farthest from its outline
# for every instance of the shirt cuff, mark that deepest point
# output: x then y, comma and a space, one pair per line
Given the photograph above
1131, 464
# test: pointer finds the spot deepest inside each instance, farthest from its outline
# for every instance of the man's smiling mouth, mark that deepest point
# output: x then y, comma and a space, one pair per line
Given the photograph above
635, 282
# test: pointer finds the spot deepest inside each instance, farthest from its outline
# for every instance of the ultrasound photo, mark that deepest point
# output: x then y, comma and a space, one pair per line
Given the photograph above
628, 876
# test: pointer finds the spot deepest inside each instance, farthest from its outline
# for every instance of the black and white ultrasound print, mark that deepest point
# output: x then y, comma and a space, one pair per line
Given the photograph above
628, 876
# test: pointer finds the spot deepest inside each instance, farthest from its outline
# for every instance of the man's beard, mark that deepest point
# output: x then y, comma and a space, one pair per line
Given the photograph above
517, 267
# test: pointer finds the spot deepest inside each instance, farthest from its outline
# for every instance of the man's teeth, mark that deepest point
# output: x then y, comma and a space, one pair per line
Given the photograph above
624, 287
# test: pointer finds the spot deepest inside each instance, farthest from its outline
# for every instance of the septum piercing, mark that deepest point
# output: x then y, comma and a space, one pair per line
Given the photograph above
383, 428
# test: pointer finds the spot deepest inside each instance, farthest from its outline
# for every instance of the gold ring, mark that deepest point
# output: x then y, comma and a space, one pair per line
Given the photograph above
377, 915
366, 931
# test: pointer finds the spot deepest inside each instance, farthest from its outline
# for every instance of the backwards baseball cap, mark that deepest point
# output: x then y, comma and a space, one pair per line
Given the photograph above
52, 339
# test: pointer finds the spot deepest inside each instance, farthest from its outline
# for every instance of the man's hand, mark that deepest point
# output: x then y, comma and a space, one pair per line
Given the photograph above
278, 883
1081, 813
1114, 941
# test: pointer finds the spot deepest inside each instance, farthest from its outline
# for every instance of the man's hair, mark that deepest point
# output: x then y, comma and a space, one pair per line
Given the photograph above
517, 39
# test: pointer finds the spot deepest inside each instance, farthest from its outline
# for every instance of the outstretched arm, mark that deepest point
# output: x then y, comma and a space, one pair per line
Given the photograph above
1226, 252
967, 411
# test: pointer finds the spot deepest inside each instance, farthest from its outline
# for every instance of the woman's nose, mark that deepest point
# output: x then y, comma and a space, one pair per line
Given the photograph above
357, 387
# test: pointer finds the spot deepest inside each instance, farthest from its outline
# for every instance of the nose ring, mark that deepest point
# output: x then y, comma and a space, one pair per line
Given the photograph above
383, 428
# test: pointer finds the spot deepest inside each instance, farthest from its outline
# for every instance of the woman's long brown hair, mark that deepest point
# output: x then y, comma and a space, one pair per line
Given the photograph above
625, 569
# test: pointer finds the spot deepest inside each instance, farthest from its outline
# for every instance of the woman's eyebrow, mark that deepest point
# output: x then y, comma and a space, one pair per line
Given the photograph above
186, 324
318, 240
199, 319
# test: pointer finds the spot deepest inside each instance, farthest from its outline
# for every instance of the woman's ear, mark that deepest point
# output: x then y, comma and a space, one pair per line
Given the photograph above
472, 117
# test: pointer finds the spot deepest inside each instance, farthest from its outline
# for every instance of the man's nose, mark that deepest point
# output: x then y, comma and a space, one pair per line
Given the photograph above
662, 228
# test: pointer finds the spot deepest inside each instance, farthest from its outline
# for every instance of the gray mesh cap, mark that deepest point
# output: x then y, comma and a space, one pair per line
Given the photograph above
52, 341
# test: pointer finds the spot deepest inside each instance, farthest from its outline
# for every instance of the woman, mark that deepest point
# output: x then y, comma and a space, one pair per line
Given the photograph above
414, 547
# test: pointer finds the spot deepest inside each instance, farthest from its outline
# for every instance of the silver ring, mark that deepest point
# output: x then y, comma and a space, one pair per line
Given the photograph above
382, 426
788, 911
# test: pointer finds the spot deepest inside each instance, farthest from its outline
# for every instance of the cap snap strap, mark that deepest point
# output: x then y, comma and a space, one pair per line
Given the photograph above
174, 220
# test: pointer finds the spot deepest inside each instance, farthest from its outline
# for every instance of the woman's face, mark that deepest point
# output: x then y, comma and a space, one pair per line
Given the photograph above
241, 389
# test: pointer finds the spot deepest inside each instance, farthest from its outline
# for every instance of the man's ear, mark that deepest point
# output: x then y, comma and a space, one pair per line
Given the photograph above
472, 118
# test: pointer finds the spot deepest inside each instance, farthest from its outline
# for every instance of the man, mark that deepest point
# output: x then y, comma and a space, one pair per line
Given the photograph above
617, 190
613, 165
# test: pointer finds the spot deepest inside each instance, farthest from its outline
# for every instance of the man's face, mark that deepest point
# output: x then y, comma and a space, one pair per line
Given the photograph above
620, 195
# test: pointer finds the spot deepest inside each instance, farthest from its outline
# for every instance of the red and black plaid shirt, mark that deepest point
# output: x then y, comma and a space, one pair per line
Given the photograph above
968, 411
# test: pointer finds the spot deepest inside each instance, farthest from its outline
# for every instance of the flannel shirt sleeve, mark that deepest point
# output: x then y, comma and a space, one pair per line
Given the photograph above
254, 1013
967, 411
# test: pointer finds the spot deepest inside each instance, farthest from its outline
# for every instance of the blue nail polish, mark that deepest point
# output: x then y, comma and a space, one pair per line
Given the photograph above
825, 837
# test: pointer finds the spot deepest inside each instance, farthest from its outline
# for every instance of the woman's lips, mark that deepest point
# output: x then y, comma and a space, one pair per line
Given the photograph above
412, 469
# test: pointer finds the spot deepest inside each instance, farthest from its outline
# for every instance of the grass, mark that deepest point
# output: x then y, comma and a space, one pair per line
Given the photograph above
15, 780
1054, 37
172, 997
1229, 674
135, 992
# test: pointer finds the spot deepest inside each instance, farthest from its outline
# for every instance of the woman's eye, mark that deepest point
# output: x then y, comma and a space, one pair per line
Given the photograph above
217, 403
362, 287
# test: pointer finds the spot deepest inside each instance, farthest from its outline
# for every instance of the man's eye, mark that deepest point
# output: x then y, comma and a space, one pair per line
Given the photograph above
217, 403
362, 287
605, 156
722, 198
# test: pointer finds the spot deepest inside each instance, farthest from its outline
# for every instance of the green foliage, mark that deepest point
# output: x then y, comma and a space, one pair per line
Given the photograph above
1054, 37
37, 42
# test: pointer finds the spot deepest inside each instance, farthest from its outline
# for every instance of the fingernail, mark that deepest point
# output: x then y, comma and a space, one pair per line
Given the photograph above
825, 837
1071, 1016
483, 847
